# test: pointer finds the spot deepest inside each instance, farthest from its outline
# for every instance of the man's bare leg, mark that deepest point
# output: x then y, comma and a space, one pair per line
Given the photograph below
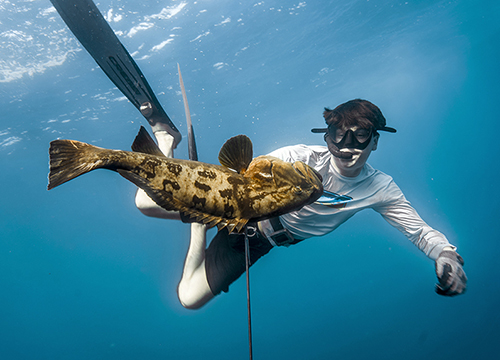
143, 202
193, 290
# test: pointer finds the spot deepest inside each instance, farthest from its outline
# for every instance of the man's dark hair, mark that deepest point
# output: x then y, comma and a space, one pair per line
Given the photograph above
356, 112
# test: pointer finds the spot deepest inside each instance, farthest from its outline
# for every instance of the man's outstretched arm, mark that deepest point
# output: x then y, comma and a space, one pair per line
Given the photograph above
448, 264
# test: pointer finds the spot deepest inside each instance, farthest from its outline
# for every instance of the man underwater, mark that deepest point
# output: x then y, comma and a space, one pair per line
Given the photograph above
351, 135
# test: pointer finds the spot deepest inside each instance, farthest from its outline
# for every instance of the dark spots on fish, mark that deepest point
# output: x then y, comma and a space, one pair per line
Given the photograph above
201, 186
175, 169
199, 202
228, 210
235, 180
148, 167
169, 184
259, 196
148, 174
207, 174
227, 194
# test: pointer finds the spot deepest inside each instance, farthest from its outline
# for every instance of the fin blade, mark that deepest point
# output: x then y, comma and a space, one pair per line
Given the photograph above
145, 144
236, 153
86, 22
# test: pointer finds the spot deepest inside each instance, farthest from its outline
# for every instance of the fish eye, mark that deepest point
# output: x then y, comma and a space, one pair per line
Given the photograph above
297, 190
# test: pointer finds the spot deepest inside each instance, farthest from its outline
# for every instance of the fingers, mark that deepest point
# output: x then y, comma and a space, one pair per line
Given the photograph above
451, 282
445, 278
457, 289
460, 283
454, 285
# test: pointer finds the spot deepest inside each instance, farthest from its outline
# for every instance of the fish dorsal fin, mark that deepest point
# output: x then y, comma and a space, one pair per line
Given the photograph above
236, 153
143, 143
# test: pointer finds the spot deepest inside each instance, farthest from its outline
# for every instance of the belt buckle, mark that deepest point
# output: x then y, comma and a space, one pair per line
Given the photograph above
282, 237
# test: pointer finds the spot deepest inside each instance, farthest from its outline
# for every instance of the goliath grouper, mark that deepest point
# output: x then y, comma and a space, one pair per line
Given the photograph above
230, 195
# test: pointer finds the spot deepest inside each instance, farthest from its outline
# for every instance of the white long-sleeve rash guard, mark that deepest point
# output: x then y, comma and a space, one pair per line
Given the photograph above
370, 189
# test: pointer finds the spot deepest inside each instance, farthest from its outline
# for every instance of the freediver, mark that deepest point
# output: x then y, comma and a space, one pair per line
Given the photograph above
351, 135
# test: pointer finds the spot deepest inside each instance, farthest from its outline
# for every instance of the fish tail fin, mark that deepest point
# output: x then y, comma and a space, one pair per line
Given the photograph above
69, 159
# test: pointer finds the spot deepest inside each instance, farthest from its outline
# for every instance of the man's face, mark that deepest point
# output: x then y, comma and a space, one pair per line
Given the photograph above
357, 142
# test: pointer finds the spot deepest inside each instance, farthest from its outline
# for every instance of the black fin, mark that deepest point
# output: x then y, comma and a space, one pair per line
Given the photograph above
69, 159
236, 153
145, 144
93, 31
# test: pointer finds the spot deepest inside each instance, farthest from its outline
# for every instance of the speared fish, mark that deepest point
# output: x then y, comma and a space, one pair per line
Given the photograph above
230, 195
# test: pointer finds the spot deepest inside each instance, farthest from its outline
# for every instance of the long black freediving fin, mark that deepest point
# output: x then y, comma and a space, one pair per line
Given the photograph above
86, 22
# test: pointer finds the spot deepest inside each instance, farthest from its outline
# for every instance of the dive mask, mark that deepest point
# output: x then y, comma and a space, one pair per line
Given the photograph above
357, 139
352, 139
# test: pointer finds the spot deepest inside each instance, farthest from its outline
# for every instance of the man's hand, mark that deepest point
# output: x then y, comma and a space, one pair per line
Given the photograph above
451, 276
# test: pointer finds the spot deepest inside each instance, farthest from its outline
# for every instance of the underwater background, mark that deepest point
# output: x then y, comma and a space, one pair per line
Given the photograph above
84, 275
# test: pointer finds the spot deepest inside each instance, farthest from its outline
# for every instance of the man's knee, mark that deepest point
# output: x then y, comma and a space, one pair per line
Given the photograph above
149, 208
194, 292
189, 302
143, 202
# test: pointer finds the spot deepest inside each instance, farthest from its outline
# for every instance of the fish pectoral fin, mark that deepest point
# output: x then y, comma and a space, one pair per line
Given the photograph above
145, 144
160, 197
236, 153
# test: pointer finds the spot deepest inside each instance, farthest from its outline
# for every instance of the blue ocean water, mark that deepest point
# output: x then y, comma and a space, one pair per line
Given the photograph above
83, 275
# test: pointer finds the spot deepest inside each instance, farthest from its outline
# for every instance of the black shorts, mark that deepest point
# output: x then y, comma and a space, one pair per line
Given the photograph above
225, 257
